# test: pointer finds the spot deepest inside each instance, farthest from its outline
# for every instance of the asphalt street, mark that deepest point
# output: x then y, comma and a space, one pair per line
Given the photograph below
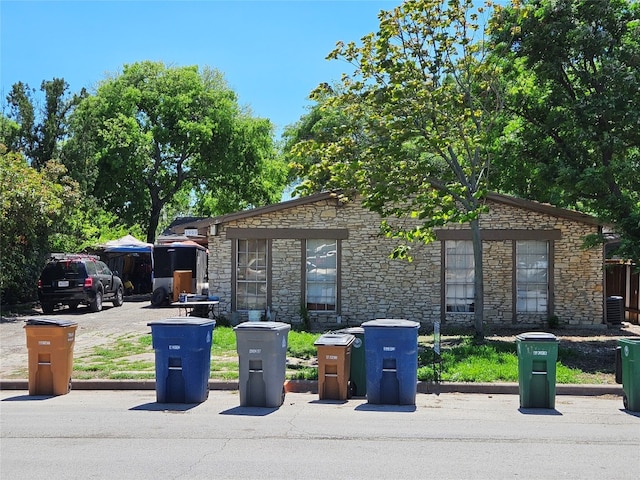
105, 434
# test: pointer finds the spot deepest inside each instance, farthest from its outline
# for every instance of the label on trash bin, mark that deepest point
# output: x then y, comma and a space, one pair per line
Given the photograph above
388, 349
44, 342
331, 357
255, 350
71, 336
540, 353
174, 347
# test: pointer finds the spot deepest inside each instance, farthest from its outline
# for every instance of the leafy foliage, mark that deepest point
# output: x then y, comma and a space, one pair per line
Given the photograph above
155, 133
41, 131
572, 136
408, 130
31, 203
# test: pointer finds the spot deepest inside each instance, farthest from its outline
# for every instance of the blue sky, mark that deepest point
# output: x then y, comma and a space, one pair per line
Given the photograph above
272, 53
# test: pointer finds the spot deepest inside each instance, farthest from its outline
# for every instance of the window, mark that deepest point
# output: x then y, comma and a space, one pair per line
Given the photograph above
532, 285
459, 272
251, 275
321, 268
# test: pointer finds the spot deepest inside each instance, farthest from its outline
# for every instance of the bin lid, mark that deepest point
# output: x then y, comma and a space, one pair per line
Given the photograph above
351, 330
49, 322
263, 326
391, 322
537, 337
193, 321
335, 339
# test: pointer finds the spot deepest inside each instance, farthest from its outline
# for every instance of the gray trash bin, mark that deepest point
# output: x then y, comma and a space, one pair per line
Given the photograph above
262, 358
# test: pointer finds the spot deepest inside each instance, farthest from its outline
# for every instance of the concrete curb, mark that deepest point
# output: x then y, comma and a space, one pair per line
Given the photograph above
311, 386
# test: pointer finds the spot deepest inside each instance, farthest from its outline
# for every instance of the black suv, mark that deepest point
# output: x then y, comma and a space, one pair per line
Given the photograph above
75, 279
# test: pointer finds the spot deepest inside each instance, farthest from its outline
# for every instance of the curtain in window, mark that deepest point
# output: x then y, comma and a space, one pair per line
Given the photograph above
532, 260
251, 275
459, 272
321, 266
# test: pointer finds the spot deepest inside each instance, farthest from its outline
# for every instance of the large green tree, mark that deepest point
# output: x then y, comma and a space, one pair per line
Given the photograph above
420, 104
572, 134
37, 127
153, 133
42, 127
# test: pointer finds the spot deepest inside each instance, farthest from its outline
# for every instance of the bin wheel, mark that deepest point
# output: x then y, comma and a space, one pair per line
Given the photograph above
284, 392
352, 389
625, 402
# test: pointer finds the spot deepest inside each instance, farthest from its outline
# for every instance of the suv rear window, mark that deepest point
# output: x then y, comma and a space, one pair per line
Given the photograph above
58, 270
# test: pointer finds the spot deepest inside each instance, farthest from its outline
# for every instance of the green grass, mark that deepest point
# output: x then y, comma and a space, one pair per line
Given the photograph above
491, 361
301, 344
462, 360
224, 341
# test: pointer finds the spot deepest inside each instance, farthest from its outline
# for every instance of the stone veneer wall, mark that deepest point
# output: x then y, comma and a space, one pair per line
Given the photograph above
578, 273
375, 286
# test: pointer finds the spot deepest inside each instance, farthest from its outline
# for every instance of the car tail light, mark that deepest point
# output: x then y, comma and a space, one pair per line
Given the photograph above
88, 282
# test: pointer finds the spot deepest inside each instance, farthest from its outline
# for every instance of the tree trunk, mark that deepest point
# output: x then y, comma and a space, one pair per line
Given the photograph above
478, 281
154, 217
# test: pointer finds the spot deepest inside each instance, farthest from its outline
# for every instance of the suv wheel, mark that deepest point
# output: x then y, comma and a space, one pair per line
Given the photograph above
47, 307
96, 303
118, 300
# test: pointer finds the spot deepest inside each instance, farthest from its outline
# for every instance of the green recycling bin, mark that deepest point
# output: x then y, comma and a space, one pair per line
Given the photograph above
537, 357
358, 376
630, 354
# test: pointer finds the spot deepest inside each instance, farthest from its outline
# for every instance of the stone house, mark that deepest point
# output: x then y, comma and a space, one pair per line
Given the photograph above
324, 259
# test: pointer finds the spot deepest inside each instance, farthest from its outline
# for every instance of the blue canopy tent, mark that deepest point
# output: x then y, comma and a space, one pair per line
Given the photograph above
133, 260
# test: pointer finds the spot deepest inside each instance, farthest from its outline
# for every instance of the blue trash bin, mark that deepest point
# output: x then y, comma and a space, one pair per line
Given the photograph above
183, 358
391, 351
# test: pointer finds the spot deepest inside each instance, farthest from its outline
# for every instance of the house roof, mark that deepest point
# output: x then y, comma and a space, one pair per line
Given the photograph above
544, 208
521, 203
296, 202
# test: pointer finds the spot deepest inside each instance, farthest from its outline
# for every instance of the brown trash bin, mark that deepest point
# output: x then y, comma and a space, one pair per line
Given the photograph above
181, 283
50, 344
334, 365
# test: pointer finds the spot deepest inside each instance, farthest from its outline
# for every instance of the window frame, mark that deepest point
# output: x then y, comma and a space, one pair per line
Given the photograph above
467, 285
517, 276
335, 284
238, 280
